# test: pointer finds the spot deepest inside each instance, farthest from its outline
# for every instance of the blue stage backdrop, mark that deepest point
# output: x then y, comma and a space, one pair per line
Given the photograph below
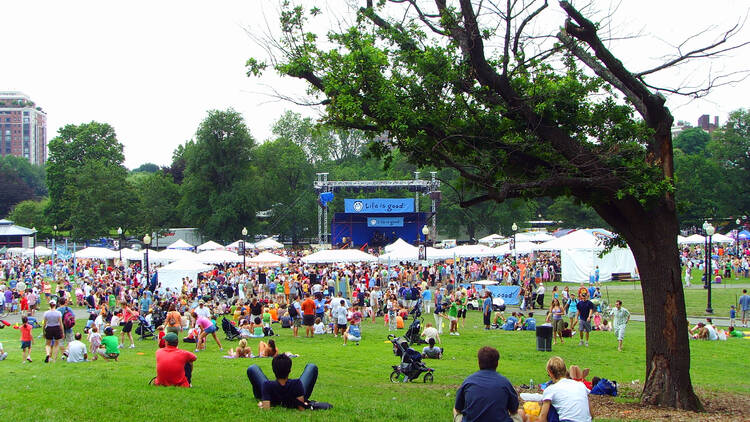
379, 205
377, 229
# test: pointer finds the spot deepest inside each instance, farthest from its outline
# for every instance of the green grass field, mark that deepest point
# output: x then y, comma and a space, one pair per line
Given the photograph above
353, 378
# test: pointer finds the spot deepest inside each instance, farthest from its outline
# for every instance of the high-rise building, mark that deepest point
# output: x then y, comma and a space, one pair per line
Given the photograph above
23, 128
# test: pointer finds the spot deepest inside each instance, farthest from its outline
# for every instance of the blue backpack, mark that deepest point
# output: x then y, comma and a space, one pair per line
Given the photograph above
605, 387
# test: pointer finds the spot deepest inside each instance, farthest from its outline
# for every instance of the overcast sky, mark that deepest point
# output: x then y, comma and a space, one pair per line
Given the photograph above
152, 69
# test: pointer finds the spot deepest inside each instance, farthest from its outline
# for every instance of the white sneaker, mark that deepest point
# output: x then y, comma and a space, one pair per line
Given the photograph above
457, 334
580, 343
587, 344
132, 346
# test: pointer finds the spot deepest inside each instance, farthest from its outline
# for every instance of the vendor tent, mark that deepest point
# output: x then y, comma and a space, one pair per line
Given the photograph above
473, 251
579, 256
38, 251
743, 235
218, 257
132, 255
693, 239
97, 253
720, 238
170, 276
209, 246
170, 255
492, 239
533, 237
181, 244
338, 256
268, 243
521, 248
235, 246
267, 259
400, 244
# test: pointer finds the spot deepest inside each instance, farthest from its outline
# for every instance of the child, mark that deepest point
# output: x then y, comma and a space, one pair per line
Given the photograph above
3, 354
392, 306
162, 333
318, 327
732, 315
26, 339
95, 340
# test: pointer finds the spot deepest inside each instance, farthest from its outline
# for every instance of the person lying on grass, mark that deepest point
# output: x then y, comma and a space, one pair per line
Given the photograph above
286, 392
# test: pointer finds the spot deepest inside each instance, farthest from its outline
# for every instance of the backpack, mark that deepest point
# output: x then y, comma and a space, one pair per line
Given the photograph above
605, 387
293, 311
69, 320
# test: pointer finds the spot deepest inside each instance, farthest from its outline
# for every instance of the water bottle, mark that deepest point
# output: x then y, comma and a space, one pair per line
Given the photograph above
531, 383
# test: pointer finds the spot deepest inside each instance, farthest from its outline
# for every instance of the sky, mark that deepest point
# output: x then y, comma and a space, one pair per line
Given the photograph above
152, 69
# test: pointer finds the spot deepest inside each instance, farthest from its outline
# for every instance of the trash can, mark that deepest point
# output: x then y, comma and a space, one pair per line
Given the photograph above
544, 338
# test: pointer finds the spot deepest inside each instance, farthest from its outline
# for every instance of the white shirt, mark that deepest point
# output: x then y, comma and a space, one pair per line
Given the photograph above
203, 311
570, 398
76, 351
430, 332
712, 335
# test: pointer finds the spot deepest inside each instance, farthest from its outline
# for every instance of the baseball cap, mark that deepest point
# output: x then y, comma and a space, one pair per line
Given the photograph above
171, 338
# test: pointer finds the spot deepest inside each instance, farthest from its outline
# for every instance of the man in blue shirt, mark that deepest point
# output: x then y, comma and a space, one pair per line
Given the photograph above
585, 311
487, 309
486, 395
745, 307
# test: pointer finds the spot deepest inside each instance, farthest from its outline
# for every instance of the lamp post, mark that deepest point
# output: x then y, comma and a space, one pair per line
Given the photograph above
33, 248
147, 242
54, 245
710, 230
244, 235
423, 251
737, 239
119, 242
514, 227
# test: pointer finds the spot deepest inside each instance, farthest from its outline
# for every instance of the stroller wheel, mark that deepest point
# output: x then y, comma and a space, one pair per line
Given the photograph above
397, 376
428, 378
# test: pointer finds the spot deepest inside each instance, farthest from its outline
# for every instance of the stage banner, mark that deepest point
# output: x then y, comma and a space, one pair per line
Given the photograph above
508, 293
385, 222
379, 205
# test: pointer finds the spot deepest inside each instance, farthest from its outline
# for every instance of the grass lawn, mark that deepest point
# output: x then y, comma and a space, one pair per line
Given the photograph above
353, 378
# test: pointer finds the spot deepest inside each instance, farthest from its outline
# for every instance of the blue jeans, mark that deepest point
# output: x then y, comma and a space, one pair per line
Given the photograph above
257, 378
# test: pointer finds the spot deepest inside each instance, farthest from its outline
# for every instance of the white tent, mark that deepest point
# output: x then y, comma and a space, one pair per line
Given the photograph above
171, 275
218, 257
132, 255
170, 255
234, 246
681, 239
693, 239
267, 259
338, 256
492, 239
17, 251
39, 251
209, 246
533, 237
521, 248
181, 244
268, 243
97, 253
579, 256
473, 251
399, 244
720, 238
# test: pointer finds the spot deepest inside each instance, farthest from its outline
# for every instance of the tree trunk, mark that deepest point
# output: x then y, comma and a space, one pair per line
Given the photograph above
652, 236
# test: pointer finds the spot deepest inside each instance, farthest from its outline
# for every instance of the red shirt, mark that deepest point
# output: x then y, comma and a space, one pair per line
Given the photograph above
26, 332
308, 307
170, 366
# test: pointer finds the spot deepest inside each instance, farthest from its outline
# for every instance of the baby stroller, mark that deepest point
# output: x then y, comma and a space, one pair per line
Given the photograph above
412, 335
229, 329
411, 366
144, 329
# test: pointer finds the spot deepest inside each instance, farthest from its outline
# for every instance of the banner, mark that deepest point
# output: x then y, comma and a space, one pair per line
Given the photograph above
508, 293
385, 222
379, 205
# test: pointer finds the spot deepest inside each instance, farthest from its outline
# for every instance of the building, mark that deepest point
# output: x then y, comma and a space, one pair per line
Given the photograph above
12, 236
704, 122
23, 128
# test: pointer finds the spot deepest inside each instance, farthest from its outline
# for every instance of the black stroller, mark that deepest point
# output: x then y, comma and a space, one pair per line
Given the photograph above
144, 329
229, 329
411, 366
413, 333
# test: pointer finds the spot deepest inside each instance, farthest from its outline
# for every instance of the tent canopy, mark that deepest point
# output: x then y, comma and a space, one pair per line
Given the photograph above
267, 259
236, 245
268, 243
170, 276
132, 255
693, 239
720, 238
39, 251
97, 253
181, 244
492, 239
399, 245
218, 257
328, 256
170, 255
209, 246
743, 235
533, 237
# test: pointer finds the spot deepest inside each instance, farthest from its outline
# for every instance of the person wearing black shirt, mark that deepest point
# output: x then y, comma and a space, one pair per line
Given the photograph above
290, 393
585, 311
256, 309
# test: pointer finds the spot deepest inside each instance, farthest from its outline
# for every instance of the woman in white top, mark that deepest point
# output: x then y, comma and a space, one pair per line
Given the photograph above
569, 398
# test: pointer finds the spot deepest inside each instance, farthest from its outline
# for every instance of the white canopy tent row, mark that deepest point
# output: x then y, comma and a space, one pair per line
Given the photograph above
267, 259
170, 276
268, 243
181, 244
579, 256
217, 257
338, 256
209, 246
521, 248
38, 251
533, 237
696, 239
493, 239
399, 244
235, 246
169, 255
96, 253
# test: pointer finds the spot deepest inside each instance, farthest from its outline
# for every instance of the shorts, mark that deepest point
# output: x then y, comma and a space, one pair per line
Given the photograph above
572, 314
211, 329
487, 318
297, 322
745, 313
68, 335
308, 320
25, 345
341, 326
620, 332
451, 318
557, 325
584, 326
352, 338
462, 313
53, 333
174, 329
128, 327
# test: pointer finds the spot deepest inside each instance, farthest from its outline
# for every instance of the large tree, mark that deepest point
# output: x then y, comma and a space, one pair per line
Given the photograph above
471, 85
217, 192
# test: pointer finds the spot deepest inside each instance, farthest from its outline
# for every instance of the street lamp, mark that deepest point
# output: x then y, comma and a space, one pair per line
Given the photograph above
514, 227
119, 242
244, 235
425, 233
737, 239
423, 248
54, 244
147, 242
33, 248
710, 230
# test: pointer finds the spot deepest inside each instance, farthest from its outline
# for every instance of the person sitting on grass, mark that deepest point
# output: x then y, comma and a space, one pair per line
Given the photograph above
109, 349
290, 393
530, 323
77, 350
174, 366
267, 350
486, 395
353, 333
319, 327
431, 332
242, 351
569, 398
431, 351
